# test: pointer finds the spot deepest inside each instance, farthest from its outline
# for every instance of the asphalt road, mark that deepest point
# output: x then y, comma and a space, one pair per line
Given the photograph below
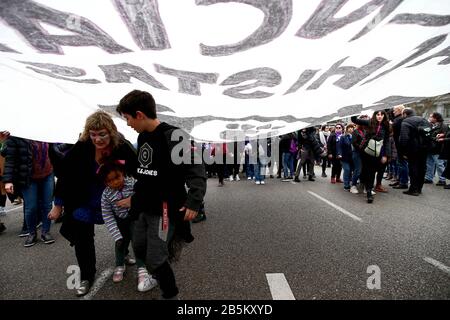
322, 240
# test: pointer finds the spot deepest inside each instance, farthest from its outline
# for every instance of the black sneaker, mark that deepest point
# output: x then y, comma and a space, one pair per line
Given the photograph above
31, 240
296, 179
401, 186
47, 238
24, 233
411, 193
200, 217
428, 181
311, 178
324, 175
2, 227
441, 183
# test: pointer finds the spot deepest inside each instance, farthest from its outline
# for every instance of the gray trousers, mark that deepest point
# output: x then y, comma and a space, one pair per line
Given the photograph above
148, 241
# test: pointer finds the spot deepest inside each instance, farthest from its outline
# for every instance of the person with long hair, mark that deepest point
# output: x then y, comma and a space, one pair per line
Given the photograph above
378, 131
79, 188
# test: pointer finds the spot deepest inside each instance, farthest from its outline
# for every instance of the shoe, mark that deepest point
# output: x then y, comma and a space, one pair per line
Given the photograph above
2, 227
31, 240
262, 182
333, 180
17, 201
24, 233
118, 274
296, 179
311, 178
441, 183
373, 192
83, 289
271, 176
130, 261
354, 190
258, 182
145, 281
394, 184
369, 196
447, 186
338, 180
231, 178
200, 217
428, 181
237, 178
324, 175
220, 184
347, 189
389, 177
411, 193
249, 178
286, 179
400, 186
304, 176
2, 211
47, 238
380, 188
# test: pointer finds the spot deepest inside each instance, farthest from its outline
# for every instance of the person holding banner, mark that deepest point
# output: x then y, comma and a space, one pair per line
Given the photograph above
375, 147
79, 188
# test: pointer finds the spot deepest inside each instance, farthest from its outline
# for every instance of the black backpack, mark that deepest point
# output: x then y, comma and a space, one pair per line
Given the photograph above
426, 136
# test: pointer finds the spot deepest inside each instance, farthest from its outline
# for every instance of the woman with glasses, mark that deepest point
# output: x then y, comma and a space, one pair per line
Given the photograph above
378, 130
79, 188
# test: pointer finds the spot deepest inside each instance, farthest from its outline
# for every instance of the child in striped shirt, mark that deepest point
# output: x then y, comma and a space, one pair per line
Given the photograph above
118, 187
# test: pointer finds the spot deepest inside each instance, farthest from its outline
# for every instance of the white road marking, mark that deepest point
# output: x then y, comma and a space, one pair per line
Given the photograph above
438, 264
279, 287
351, 215
16, 208
98, 283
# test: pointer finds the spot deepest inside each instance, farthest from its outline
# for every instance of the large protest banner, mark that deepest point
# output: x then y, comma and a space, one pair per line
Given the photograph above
217, 67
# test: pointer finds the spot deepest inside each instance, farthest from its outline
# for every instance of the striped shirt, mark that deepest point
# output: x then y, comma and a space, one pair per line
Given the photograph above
111, 211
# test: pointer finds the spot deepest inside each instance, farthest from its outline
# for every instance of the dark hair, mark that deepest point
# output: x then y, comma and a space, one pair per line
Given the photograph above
110, 166
437, 116
408, 112
373, 123
135, 101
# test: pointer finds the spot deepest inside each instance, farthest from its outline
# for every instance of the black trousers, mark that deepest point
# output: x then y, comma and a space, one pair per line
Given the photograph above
417, 165
336, 169
370, 166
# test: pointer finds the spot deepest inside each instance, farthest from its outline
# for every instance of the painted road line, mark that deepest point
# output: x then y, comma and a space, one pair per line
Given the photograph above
279, 287
438, 264
16, 208
98, 283
351, 215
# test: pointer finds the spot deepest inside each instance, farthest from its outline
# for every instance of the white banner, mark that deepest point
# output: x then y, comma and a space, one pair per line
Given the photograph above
216, 67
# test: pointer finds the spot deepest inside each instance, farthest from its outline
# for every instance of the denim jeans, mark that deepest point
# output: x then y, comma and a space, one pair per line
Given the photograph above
356, 157
435, 164
37, 197
403, 171
260, 172
288, 163
249, 168
347, 166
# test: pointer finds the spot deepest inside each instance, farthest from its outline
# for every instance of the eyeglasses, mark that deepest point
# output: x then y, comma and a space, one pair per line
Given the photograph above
101, 136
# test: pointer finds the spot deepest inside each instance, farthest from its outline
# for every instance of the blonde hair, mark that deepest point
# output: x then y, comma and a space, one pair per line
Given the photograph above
100, 120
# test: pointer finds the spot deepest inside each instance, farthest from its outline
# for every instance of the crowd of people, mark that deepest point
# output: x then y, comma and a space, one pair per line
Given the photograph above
147, 200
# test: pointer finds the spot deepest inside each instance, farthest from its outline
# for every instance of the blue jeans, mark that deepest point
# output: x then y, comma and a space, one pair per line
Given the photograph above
260, 172
288, 163
249, 168
37, 198
403, 171
356, 157
347, 166
435, 164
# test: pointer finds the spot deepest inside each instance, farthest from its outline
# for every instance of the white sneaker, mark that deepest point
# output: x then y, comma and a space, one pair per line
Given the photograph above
249, 178
237, 178
145, 281
354, 190
373, 192
231, 178
2, 211
262, 182
258, 182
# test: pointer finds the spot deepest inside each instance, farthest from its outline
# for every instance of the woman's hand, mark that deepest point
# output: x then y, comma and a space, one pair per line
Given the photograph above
190, 214
124, 203
9, 187
55, 213
383, 160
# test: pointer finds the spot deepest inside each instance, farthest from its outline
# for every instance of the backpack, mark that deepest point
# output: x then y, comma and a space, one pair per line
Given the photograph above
425, 136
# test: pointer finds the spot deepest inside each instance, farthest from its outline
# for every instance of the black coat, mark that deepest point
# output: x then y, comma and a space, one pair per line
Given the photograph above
383, 134
409, 136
